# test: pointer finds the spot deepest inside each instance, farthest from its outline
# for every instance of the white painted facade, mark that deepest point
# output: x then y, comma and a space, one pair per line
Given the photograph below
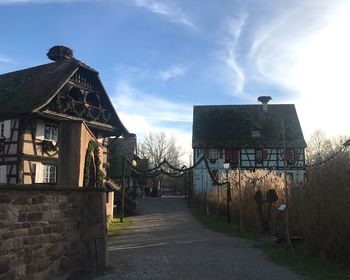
249, 159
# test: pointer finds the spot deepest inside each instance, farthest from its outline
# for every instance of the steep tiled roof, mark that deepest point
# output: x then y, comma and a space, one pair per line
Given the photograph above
27, 91
230, 126
23, 91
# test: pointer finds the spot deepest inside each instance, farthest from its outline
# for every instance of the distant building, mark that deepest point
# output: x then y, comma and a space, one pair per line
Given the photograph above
250, 136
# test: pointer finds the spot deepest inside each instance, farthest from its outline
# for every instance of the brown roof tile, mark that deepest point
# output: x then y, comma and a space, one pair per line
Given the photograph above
23, 91
230, 126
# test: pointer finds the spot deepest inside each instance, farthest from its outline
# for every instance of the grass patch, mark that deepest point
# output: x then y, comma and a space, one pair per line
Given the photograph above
115, 227
219, 224
312, 267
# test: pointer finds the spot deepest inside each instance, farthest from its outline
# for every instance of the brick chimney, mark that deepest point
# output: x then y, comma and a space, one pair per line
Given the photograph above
264, 100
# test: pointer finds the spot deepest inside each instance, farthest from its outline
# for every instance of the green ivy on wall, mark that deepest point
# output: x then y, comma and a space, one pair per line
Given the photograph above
93, 148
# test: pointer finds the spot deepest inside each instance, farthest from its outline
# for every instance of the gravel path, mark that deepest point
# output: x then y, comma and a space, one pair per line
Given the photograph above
166, 242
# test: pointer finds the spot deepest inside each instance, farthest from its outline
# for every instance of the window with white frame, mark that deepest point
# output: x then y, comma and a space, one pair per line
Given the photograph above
44, 173
51, 132
49, 174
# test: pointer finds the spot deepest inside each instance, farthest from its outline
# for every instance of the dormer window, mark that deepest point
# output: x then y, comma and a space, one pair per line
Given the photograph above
256, 133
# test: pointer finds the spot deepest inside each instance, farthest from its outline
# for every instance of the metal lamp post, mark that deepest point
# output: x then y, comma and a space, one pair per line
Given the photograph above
122, 203
227, 167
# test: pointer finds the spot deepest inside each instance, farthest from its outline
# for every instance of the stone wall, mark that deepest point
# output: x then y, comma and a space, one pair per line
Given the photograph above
46, 231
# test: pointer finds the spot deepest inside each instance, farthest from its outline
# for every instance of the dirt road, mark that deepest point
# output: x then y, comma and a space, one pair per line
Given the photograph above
166, 242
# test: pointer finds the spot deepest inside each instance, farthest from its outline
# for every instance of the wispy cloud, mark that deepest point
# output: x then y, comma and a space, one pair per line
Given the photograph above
4, 60
19, 2
133, 73
229, 54
306, 50
172, 72
131, 99
170, 10
142, 112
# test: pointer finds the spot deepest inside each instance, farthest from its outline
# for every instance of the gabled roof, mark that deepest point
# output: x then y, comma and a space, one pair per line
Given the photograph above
230, 126
29, 90
23, 91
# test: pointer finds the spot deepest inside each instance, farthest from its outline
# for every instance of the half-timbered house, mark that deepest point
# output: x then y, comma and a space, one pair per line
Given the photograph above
55, 122
250, 136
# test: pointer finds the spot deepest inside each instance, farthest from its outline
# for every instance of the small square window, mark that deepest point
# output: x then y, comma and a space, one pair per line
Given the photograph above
256, 133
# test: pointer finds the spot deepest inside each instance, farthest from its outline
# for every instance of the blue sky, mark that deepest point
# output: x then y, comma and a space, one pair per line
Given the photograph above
159, 58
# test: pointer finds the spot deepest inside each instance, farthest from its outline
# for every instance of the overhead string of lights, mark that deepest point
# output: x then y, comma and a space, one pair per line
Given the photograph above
330, 158
159, 168
273, 168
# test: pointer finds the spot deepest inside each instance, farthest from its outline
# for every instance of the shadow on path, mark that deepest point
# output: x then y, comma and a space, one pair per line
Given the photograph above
166, 242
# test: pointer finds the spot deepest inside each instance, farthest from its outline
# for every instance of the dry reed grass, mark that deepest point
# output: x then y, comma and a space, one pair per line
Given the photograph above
319, 210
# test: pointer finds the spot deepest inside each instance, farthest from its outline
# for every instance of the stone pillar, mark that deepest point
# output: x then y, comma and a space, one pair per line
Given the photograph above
94, 231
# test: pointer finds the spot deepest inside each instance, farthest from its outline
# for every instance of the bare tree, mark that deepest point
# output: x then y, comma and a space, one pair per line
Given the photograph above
320, 147
157, 146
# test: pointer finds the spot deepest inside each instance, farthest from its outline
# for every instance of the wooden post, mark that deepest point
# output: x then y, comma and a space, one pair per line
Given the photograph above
185, 185
206, 195
189, 189
228, 199
286, 191
122, 203
241, 223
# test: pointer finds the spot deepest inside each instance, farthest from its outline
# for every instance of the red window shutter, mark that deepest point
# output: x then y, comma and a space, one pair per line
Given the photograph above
235, 155
220, 153
296, 155
206, 153
258, 156
228, 154
264, 154
290, 156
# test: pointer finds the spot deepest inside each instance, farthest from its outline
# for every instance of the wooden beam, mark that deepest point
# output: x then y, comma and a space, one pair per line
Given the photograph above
43, 159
